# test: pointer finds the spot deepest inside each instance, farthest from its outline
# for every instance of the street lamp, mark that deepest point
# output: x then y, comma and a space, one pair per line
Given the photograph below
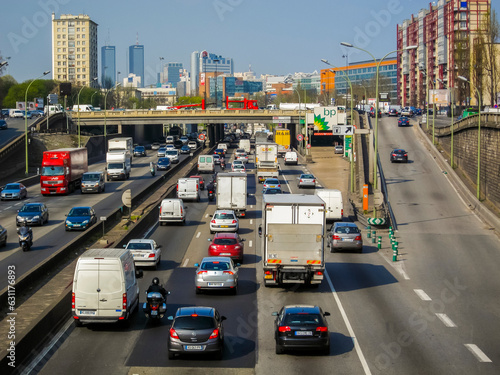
289, 79
433, 106
79, 141
26, 116
106, 113
346, 77
375, 167
478, 137
452, 160
216, 61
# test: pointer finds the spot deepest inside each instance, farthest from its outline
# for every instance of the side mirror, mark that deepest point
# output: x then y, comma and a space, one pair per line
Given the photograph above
274, 313
209, 240
238, 265
223, 318
18, 210
260, 230
326, 313
196, 265
139, 274
168, 293
124, 246
170, 318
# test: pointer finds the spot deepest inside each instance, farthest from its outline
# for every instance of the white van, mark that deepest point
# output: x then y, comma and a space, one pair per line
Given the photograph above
83, 108
105, 287
53, 109
333, 202
188, 188
206, 163
172, 210
245, 145
291, 157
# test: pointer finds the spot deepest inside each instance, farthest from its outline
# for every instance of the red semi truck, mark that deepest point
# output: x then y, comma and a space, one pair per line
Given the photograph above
62, 170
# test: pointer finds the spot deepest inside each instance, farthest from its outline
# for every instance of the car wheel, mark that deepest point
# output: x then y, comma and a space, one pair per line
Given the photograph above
47, 221
360, 251
171, 355
198, 291
78, 323
279, 349
326, 350
219, 354
234, 291
333, 250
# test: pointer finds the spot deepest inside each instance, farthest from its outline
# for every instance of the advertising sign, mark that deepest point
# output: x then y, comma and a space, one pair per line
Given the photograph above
441, 96
327, 117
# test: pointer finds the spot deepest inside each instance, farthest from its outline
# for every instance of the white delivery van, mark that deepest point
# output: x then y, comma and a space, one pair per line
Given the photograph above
172, 210
188, 188
105, 287
206, 163
291, 157
83, 108
245, 145
333, 203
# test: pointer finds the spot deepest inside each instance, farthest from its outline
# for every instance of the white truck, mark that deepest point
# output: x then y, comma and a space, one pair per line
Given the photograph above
118, 165
188, 189
266, 161
121, 144
292, 236
232, 192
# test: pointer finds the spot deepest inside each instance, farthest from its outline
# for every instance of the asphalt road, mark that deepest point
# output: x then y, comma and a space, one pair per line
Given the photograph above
15, 128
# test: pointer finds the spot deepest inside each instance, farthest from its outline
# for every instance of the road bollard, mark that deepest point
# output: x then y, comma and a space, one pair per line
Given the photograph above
394, 256
369, 234
379, 245
396, 247
374, 236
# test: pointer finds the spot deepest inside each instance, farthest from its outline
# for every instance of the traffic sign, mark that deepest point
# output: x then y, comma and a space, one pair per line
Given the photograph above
308, 145
300, 137
342, 129
376, 220
201, 137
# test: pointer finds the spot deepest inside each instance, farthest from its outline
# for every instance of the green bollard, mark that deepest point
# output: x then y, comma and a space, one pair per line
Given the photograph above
374, 236
396, 247
369, 234
379, 242
394, 256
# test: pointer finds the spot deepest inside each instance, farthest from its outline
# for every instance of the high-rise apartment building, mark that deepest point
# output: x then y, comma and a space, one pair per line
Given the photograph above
108, 66
444, 36
136, 61
74, 49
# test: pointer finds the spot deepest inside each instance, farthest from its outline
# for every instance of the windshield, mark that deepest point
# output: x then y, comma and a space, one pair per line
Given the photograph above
139, 246
194, 322
172, 152
90, 177
12, 187
79, 212
115, 166
30, 209
215, 266
52, 171
225, 241
303, 318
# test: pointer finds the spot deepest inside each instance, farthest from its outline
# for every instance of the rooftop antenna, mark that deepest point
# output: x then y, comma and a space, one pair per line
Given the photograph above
137, 39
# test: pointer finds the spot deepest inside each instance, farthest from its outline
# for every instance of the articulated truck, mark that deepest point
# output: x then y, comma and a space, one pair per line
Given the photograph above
62, 170
292, 236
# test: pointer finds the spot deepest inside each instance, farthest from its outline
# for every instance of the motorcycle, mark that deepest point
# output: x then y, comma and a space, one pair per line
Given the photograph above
25, 238
211, 195
152, 169
155, 305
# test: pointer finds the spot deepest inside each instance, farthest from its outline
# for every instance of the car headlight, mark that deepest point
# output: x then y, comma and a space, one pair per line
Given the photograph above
68, 222
36, 217
19, 218
85, 222
15, 194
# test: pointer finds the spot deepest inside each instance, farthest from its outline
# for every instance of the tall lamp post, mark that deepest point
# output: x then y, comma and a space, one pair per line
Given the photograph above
216, 93
375, 167
78, 99
478, 194
26, 116
433, 107
289, 79
346, 77
452, 160
106, 114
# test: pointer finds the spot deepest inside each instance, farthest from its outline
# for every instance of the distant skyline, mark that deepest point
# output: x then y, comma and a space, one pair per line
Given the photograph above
274, 37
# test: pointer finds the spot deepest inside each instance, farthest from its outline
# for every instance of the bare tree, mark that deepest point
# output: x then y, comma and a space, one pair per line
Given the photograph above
488, 54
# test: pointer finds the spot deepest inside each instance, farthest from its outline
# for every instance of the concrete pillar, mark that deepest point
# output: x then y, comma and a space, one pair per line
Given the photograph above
211, 134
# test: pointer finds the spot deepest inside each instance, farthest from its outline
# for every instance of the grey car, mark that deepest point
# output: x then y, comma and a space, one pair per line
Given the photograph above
196, 330
216, 273
306, 180
33, 213
345, 235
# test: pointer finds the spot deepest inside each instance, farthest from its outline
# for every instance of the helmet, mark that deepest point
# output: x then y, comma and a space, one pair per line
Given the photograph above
156, 281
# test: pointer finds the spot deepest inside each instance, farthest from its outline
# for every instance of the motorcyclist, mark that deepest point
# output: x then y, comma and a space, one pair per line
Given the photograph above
222, 163
157, 287
211, 189
25, 229
152, 168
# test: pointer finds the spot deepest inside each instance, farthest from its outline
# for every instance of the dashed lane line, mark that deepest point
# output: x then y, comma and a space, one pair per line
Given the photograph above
446, 320
423, 296
478, 353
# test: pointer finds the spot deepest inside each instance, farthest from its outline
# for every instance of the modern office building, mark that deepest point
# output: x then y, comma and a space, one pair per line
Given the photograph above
206, 64
174, 73
108, 66
445, 35
136, 62
307, 81
195, 71
74, 50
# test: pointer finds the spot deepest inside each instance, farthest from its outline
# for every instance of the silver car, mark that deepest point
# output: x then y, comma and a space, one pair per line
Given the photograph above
146, 252
161, 152
307, 180
224, 221
216, 273
344, 235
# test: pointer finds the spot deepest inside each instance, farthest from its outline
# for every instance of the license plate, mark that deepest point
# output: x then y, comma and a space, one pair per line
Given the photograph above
224, 226
76, 225
154, 312
303, 333
347, 239
215, 284
225, 254
87, 312
193, 347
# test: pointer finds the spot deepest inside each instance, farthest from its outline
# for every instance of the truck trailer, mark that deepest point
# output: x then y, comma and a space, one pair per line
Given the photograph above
282, 139
232, 192
266, 161
292, 236
62, 170
118, 165
121, 144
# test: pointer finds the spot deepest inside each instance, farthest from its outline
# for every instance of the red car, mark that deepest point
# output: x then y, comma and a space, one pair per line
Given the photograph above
202, 182
227, 244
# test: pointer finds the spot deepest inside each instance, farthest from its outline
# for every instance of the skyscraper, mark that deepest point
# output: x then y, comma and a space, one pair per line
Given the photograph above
74, 49
108, 66
136, 61
174, 72
195, 71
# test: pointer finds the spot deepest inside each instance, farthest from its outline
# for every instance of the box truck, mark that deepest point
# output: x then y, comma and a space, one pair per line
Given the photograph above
266, 161
188, 189
232, 192
118, 165
62, 170
334, 204
121, 144
282, 139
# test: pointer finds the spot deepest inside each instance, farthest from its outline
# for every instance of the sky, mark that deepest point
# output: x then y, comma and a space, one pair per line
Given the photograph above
275, 37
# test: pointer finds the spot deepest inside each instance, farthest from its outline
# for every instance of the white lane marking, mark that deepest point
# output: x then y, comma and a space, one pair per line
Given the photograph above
206, 215
348, 325
185, 263
423, 296
198, 235
398, 266
478, 353
446, 320
250, 243
251, 221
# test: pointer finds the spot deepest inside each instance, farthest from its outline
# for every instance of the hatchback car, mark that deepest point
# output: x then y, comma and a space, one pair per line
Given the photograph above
224, 221
399, 154
216, 273
271, 183
268, 191
239, 151
33, 213
344, 235
161, 152
14, 191
393, 112
219, 151
193, 145
155, 146
3, 236
301, 327
404, 121
184, 139
227, 245
238, 168
217, 159
140, 151
173, 155
306, 180
146, 252
80, 218
196, 330
163, 164
185, 149
242, 157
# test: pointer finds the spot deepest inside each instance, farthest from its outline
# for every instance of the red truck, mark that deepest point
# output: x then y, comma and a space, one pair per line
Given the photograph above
62, 170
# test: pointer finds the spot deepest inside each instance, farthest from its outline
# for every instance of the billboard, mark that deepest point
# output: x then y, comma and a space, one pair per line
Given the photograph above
326, 117
441, 96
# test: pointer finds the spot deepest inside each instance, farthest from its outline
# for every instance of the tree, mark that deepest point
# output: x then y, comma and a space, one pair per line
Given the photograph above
6, 82
39, 89
486, 56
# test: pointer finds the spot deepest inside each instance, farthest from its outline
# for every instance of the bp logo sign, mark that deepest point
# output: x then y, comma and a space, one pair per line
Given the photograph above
327, 117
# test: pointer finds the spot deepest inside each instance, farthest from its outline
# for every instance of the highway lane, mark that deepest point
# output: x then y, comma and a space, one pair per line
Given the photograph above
15, 128
50, 237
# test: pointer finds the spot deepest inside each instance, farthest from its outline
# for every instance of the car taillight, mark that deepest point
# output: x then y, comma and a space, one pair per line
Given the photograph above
284, 329
321, 329
358, 238
124, 301
177, 187
154, 307
228, 273
406, 155
335, 237
201, 272
234, 222
152, 255
212, 221
173, 334
341, 212
72, 300
300, 180
314, 181
393, 154
214, 334
319, 273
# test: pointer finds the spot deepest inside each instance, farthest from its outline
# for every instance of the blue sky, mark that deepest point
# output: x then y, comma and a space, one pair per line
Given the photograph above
273, 36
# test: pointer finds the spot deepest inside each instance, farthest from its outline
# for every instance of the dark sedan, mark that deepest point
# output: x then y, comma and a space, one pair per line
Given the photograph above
3, 124
140, 151
393, 112
196, 330
163, 164
33, 213
404, 121
80, 218
3, 236
185, 149
399, 154
301, 327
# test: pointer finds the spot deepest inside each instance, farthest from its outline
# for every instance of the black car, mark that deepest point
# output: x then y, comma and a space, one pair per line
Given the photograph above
140, 151
301, 327
178, 144
3, 124
3, 236
399, 154
393, 112
163, 164
196, 330
33, 213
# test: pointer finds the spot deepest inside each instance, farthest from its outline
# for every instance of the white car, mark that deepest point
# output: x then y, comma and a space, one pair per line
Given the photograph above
193, 145
243, 157
238, 168
224, 221
173, 155
184, 139
146, 253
